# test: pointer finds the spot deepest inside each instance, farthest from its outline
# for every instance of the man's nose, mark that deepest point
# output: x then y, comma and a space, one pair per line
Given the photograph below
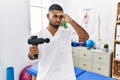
59, 19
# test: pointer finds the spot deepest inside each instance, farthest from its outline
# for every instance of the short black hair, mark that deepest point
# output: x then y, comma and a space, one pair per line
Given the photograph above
55, 7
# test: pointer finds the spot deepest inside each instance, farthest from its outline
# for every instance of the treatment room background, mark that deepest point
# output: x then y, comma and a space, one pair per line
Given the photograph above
15, 27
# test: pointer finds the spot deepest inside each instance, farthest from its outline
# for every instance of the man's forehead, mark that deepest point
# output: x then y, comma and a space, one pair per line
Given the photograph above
56, 12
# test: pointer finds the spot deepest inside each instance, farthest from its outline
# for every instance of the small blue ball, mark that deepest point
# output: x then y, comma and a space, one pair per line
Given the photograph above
89, 43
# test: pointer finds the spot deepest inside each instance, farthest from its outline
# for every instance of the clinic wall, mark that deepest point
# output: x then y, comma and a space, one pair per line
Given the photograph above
14, 32
106, 9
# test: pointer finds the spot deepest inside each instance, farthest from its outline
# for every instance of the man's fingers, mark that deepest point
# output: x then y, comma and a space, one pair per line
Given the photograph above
33, 49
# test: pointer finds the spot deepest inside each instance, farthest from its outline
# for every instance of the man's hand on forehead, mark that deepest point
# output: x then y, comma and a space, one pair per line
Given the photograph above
66, 17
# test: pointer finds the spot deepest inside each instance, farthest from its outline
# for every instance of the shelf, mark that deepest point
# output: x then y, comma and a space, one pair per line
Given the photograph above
116, 69
118, 60
117, 41
117, 22
117, 77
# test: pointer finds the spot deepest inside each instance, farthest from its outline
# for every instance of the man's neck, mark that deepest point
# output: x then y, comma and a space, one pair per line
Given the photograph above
52, 30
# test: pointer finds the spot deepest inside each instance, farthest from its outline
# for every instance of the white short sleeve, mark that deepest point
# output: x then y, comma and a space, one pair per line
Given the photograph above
74, 36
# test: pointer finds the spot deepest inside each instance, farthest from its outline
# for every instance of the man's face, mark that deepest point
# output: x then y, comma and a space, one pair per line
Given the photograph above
55, 18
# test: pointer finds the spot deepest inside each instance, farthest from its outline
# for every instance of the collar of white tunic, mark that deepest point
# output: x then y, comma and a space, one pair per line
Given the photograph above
50, 36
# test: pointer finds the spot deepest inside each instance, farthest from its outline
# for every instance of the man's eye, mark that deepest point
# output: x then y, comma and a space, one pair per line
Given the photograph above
61, 17
58, 16
55, 16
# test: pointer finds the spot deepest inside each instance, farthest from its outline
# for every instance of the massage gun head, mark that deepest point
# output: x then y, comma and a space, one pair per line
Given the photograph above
35, 41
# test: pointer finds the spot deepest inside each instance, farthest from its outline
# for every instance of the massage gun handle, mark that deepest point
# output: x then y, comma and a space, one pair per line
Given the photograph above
35, 56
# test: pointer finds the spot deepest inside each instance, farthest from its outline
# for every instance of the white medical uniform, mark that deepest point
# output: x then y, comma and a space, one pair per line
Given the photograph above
55, 57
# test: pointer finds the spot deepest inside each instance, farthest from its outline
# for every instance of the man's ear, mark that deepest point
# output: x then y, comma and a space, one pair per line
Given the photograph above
48, 15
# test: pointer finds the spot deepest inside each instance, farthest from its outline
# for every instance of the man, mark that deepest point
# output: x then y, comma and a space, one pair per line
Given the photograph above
55, 57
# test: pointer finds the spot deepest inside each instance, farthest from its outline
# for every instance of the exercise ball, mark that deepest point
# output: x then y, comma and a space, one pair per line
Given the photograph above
24, 75
89, 43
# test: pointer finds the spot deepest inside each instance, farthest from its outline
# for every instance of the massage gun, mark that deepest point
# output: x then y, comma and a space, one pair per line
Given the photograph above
35, 41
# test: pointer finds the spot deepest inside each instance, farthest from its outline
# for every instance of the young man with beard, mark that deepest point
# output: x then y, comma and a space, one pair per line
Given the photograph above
55, 57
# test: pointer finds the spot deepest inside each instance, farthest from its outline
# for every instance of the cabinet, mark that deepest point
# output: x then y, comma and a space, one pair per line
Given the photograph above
93, 60
116, 52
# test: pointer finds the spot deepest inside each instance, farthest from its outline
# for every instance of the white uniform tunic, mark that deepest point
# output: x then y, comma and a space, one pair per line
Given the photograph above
55, 57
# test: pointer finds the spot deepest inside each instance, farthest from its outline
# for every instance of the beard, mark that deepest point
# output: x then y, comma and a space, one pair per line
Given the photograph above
54, 25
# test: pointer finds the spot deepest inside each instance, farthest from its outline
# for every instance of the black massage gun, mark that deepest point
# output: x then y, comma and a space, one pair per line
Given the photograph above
35, 41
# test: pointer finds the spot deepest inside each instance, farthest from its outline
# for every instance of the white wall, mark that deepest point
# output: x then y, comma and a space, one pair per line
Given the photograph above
14, 32
105, 8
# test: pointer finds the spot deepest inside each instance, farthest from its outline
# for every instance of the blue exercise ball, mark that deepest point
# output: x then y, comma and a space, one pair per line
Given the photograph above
89, 43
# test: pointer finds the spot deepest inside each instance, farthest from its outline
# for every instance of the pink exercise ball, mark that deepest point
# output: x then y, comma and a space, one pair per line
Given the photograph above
24, 75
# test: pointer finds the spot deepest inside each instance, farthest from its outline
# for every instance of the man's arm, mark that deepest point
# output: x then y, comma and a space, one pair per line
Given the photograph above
83, 35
